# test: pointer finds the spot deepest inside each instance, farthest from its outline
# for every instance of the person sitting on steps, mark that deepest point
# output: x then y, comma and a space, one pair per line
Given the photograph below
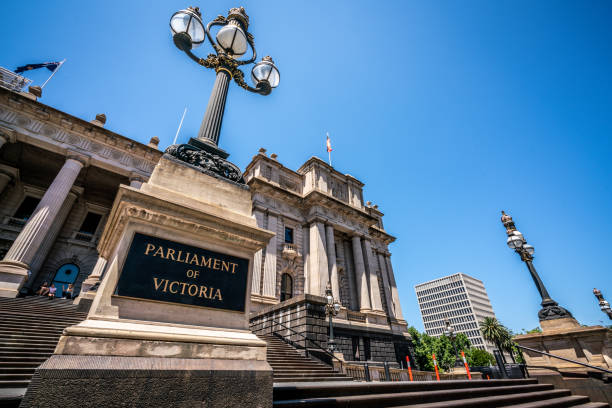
52, 291
43, 290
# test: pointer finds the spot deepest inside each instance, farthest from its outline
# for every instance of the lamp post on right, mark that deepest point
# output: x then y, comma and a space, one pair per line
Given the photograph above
332, 307
449, 331
550, 309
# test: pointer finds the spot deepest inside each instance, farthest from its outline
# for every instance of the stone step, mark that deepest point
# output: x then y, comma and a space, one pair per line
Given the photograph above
296, 391
593, 405
14, 384
316, 379
569, 401
15, 377
17, 370
490, 397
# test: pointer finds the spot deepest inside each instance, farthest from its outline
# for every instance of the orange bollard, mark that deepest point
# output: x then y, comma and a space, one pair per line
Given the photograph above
409, 368
467, 369
436, 367
488, 377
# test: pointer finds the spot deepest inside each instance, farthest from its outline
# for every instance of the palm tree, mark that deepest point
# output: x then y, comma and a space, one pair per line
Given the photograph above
495, 332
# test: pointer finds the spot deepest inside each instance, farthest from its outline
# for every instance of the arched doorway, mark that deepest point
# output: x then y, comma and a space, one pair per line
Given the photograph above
65, 276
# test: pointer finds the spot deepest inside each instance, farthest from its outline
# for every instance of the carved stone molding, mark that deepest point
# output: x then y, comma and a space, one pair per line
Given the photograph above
206, 162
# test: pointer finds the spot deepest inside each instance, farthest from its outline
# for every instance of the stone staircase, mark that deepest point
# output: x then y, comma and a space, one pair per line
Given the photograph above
290, 366
429, 394
29, 331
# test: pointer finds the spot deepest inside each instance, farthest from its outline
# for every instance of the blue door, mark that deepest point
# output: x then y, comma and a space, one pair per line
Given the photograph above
65, 275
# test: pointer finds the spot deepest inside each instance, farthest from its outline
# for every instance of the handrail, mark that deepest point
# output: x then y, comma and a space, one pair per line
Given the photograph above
565, 359
311, 340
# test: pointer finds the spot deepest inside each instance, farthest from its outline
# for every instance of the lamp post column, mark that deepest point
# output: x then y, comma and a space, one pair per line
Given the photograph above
213, 118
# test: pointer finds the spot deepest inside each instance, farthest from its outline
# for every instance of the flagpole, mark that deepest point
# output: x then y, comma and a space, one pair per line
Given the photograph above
329, 153
180, 125
53, 73
328, 146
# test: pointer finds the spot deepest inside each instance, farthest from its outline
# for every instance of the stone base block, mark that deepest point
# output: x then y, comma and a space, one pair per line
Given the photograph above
12, 277
84, 301
559, 324
105, 381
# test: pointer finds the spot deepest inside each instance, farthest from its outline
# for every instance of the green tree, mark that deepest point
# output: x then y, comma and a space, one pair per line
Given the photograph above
495, 332
479, 358
425, 346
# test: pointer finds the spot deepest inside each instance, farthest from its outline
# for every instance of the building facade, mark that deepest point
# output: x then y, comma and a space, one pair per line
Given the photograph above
59, 176
461, 299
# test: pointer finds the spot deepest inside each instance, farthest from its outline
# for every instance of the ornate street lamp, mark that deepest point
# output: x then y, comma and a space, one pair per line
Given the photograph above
550, 309
449, 331
231, 42
332, 307
604, 305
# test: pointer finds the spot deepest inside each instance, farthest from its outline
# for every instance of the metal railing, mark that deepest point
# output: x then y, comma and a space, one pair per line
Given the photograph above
565, 359
317, 345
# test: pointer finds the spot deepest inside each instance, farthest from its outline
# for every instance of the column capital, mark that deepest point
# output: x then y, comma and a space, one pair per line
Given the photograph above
80, 157
7, 135
76, 191
137, 177
11, 172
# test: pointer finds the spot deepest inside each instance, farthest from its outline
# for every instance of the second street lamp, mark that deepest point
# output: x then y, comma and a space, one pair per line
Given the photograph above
231, 42
550, 309
332, 307
449, 332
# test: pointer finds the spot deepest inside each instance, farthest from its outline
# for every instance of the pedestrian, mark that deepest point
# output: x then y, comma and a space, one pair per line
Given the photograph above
52, 291
43, 290
68, 292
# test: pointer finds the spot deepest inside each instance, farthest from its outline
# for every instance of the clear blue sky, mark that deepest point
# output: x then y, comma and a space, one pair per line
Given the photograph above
448, 111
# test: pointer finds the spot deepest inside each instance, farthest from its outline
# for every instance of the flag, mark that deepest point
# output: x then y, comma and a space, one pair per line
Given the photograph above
51, 66
329, 149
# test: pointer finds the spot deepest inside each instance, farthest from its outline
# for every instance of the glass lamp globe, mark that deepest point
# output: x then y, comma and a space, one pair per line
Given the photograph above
336, 307
515, 240
530, 249
330, 300
232, 39
187, 28
265, 70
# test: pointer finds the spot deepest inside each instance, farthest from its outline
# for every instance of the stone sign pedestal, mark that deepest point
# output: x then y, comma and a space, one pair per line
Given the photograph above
168, 325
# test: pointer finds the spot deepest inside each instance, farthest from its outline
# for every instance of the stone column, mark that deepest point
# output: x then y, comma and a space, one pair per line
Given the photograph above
373, 276
256, 281
360, 274
136, 180
386, 286
394, 292
350, 273
52, 234
269, 275
331, 262
317, 262
95, 276
3, 140
16, 264
7, 174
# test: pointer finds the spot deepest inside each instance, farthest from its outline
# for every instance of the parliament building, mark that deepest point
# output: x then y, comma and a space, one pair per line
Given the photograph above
58, 179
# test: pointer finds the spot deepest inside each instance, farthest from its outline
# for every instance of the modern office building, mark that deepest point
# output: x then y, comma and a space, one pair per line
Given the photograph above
460, 298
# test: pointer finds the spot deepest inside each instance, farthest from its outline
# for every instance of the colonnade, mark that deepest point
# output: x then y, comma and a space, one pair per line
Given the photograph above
38, 234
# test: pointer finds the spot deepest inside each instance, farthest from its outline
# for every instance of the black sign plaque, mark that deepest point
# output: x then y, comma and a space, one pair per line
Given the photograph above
167, 271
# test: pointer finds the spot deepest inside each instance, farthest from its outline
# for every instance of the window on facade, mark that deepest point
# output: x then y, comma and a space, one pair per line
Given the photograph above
366, 348
90, 223
286, 287
27, 207
288, 235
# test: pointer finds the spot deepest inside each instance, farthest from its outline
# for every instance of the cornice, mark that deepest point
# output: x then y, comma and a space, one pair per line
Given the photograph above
35, 123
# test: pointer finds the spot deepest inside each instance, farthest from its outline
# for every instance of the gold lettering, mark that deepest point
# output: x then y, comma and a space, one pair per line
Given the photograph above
157, 285
165, 286
225, 266
170, 254
216, 264
203, 290
184, 285
150, 247
195, 291
217, 293
173, 291
205, 262
194, 259
234, 265
160, 252
178, 257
